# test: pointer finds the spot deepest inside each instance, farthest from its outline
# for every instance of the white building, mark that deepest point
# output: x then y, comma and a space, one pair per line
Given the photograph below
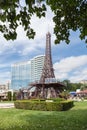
37, 67
23, 73
4, 90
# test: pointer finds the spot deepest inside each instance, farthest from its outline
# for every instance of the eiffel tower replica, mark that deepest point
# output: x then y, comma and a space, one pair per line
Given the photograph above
48, 86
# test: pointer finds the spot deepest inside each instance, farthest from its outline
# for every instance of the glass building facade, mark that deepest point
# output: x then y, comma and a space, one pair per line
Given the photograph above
20, 75
23, 73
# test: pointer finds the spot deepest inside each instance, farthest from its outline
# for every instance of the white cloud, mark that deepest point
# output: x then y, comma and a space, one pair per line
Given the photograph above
79, 75
72, 68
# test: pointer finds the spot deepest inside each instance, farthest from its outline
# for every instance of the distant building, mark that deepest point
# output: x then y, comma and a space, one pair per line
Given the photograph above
36, 67
4, 87
83, 81
23, 73
20, 75
3, 91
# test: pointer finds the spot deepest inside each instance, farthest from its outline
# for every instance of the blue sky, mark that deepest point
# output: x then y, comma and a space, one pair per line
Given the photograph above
69, 61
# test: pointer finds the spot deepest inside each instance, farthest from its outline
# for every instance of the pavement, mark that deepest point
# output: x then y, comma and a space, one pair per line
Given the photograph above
6, 105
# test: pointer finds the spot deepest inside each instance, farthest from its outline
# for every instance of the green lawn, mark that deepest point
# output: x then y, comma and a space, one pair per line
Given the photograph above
18, 119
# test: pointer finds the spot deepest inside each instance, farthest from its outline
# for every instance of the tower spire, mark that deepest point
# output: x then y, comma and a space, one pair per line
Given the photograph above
48, 71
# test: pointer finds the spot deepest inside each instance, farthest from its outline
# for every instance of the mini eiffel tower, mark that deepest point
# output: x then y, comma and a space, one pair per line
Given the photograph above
47, 87
48, 71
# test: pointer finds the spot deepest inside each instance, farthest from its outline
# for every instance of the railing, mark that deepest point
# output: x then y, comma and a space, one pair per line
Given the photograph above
48, 80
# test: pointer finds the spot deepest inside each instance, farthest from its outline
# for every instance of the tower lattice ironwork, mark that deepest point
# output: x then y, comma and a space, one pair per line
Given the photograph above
47, 87
48, 71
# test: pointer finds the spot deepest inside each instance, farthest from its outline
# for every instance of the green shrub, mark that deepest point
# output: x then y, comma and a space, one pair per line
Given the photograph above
85, 98
67, 105
57, 99
38, 99
43, 105
14, 96
53, 106
9, 95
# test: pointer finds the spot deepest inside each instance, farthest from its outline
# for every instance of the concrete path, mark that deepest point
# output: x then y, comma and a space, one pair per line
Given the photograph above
6, 105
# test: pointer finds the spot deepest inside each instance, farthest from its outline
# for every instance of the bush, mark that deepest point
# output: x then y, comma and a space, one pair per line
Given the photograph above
85, 98
37, 99
67, 105
43, 105
57, 99
9, 95
14, 96
53, 106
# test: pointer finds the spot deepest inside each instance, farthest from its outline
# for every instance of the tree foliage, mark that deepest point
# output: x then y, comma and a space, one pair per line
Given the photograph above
14, 96
9, 95
68, 15
71, 86
13, 14
83, 86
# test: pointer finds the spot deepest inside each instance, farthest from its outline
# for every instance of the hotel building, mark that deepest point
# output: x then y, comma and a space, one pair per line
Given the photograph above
23, 73
36, 67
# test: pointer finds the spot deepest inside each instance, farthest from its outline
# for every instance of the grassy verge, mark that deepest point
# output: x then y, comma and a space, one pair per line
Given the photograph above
6, 101
18, 119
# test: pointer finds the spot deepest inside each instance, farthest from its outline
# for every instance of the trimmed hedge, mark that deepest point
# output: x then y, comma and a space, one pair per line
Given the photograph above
66, 105
43, 105
57, 99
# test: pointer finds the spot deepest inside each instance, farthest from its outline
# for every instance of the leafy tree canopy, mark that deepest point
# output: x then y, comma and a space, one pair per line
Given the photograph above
68, 15
72, 86
13, 14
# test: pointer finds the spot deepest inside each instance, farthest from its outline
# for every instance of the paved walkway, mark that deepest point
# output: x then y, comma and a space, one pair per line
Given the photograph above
6, 105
